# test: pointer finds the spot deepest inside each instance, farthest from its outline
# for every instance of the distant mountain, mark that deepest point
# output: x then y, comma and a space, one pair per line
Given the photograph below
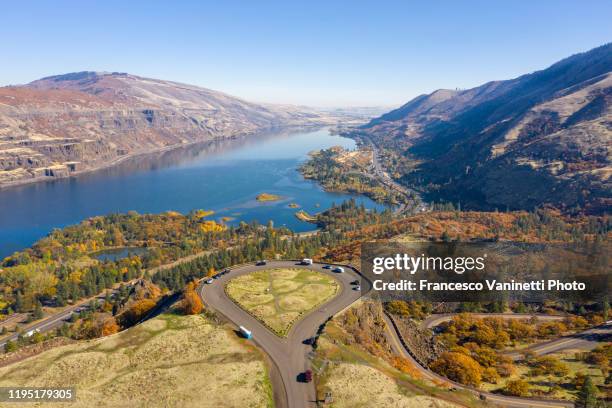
542, 138
62, 124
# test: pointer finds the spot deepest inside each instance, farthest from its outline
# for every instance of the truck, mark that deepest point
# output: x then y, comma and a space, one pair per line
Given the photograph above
306, 261
31, 333
246, 333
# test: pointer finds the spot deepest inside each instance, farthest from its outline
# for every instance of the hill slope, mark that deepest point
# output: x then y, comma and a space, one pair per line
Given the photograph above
542, 138
79, 121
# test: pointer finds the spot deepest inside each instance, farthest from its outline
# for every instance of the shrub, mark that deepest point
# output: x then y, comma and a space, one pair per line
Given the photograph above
490, 375
517, 388
548, 366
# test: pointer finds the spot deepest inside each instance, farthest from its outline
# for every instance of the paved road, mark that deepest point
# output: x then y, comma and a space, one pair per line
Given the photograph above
58, 319
289, 355
437, 319
14, 318
50, 323
585, 340
511, 402
416, 206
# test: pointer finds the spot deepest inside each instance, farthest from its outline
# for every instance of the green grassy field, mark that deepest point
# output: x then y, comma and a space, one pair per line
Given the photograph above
169, 361
279, 297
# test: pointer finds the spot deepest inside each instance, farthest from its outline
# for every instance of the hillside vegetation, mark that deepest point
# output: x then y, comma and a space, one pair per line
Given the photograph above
541, 138
146, 367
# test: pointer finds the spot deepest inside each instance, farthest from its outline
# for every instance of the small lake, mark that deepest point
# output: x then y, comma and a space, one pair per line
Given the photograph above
224, 176
114, 254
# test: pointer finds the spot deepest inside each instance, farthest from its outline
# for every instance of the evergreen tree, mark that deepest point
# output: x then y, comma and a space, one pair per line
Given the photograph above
38, 312
18, 302
587, 397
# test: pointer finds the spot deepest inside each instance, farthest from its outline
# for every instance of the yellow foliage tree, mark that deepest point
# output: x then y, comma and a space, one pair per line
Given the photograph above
458, 367
517, 388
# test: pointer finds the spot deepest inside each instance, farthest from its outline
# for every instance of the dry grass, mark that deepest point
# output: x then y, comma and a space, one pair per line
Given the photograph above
170, 361
355, 385
279, 297
542, 384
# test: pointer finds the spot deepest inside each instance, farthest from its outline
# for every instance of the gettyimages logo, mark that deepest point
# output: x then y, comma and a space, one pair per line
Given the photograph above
412, 264
485, 271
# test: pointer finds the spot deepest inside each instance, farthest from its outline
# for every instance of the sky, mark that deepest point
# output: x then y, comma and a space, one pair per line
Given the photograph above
317, 53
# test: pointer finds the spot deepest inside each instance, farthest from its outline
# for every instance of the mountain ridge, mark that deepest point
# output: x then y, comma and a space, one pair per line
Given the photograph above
64, 124
550, 129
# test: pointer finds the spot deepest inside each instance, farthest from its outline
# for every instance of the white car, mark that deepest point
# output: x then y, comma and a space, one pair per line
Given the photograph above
209, 280
357, 287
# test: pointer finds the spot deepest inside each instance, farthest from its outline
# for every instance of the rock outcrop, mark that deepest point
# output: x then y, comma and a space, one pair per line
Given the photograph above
69, 123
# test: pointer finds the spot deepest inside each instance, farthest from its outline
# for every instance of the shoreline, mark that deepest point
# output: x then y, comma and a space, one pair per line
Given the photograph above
120, 159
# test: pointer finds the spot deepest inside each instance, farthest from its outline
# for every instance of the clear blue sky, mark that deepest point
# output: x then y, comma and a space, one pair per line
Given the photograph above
317, 53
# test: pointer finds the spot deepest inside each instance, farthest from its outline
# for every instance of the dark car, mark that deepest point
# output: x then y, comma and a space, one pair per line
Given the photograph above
355, 282
309, 341
262, 262
306, 376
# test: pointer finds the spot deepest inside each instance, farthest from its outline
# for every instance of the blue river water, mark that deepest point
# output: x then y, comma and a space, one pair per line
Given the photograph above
224, 176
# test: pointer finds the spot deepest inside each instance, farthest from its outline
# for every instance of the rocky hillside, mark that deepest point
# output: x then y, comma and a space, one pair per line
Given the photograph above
68, 123
542, 138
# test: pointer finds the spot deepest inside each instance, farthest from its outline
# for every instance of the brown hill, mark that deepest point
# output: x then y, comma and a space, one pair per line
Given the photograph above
542, 138
63, 124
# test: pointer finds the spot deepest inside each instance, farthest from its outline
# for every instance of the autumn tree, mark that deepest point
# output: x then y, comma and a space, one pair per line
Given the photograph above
136, 312
191, 303
109, 327
506, 369
548, 365
398, 307
458, 367
490, 375
517, 388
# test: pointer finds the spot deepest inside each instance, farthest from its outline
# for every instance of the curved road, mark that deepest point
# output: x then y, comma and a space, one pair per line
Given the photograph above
584, 340
399, 347
437, 319
289, 355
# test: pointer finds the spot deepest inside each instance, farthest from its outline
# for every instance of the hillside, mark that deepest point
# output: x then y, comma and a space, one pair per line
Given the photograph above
164, 362
63, 124
542, 138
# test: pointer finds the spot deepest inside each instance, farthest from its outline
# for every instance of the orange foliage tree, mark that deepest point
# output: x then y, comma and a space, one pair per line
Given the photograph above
191, 304
109, 327
458, 367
